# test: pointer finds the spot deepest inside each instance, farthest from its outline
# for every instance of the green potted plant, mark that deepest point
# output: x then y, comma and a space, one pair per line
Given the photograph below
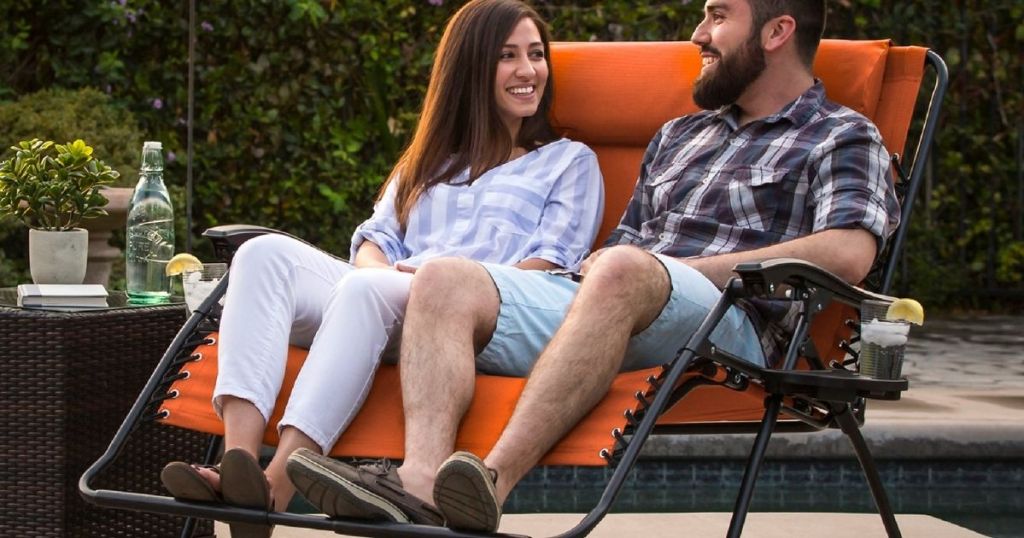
113, 132
51, 188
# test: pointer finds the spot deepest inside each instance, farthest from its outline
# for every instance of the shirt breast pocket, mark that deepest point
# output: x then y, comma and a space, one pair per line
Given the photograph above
670, 186
763, 199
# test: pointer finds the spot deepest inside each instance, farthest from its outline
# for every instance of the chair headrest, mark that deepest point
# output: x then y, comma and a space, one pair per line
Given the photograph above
620, 93
852, 72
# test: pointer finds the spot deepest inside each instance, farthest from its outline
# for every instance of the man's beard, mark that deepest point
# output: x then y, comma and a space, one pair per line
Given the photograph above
730, 76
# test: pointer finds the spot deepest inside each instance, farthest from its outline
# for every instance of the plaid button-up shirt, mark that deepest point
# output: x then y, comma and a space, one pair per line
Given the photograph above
709, 186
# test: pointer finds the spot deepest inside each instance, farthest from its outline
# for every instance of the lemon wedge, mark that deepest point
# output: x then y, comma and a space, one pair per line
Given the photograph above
906, 310
181, 263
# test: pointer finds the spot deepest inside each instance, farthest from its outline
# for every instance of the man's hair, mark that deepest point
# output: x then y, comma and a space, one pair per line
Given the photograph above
810, 21
460, 125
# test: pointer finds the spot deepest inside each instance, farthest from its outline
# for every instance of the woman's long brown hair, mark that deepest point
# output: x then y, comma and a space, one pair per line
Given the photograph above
459, 126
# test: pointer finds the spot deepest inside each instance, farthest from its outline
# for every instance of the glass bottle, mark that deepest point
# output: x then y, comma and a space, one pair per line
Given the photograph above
150, 233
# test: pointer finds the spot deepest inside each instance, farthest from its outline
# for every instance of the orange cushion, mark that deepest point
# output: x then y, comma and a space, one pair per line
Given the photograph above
379, 428
852, 72
621, 93
904, 69
617, 93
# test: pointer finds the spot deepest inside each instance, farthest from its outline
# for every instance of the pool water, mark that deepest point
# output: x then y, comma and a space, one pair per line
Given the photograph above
982, 496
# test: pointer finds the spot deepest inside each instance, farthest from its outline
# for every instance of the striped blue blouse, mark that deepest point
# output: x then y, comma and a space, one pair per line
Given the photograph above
546, 204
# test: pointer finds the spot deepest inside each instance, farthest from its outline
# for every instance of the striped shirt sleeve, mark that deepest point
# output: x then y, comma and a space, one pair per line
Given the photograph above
850, 183
382, 228
571, 214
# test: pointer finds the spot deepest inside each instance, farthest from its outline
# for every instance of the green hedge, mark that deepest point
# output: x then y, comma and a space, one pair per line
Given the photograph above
64, 115
303, 105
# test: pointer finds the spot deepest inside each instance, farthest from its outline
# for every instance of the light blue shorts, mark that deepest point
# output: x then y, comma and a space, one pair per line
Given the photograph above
534, 303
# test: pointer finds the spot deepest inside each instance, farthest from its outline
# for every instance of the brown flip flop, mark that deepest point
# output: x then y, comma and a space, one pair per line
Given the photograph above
185, 483
243, 483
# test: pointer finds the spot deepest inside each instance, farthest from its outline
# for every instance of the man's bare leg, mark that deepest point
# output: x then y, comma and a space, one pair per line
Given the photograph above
451, 315
621, 295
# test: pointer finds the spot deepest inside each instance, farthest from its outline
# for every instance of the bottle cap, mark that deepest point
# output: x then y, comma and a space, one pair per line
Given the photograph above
151, 144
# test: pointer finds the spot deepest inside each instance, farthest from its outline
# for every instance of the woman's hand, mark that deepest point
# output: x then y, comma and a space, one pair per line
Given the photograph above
536, 264
402, 268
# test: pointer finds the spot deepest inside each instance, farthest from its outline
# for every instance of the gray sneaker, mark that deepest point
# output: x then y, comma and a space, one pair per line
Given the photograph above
464, 492
371, 491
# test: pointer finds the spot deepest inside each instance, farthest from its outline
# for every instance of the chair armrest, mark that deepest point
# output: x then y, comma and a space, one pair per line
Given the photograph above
819, 286
765, 277
832, 385
228, 238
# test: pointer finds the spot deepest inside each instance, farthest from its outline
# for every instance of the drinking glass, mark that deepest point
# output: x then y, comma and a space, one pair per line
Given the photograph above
198, 284
882, 342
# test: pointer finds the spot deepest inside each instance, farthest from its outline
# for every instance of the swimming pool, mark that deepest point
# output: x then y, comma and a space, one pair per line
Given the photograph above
984, 496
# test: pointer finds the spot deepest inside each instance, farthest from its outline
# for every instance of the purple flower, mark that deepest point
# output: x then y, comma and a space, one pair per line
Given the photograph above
157, 103
206, 26
122, 2
435, 2
171, 157
130, 15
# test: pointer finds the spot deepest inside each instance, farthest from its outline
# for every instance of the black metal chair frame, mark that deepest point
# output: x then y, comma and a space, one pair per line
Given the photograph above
828, 396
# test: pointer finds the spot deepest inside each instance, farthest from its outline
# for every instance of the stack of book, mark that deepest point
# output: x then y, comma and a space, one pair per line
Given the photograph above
64, 297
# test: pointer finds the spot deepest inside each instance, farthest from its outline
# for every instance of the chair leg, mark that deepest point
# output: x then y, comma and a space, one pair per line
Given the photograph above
764, 434
189, 527
849, 425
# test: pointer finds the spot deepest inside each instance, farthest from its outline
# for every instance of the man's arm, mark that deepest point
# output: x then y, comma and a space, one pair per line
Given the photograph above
847, 253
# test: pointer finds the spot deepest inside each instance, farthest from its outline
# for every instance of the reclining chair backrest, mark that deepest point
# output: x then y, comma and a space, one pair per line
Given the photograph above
614, 97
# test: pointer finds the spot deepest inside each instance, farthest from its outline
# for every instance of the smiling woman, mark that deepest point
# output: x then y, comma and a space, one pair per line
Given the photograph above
469, 119
484, 178
521, 76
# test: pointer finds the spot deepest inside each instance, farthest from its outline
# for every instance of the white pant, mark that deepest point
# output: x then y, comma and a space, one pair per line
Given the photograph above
283, 291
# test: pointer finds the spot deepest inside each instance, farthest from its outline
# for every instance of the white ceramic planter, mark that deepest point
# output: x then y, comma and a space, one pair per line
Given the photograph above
58, 257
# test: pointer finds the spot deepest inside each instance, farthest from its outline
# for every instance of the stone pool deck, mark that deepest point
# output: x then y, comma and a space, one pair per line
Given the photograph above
759, 525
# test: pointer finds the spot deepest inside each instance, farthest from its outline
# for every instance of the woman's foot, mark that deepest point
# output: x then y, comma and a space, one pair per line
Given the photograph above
238, 481
243, 483
189, 482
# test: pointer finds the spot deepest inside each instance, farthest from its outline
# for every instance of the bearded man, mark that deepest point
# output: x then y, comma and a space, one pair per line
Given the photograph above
770, 169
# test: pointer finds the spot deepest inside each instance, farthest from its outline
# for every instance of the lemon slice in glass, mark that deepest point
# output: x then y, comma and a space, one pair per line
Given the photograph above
906, 310
181, 263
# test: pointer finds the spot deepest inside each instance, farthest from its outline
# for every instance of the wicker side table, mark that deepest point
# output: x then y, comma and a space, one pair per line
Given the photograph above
69, 381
